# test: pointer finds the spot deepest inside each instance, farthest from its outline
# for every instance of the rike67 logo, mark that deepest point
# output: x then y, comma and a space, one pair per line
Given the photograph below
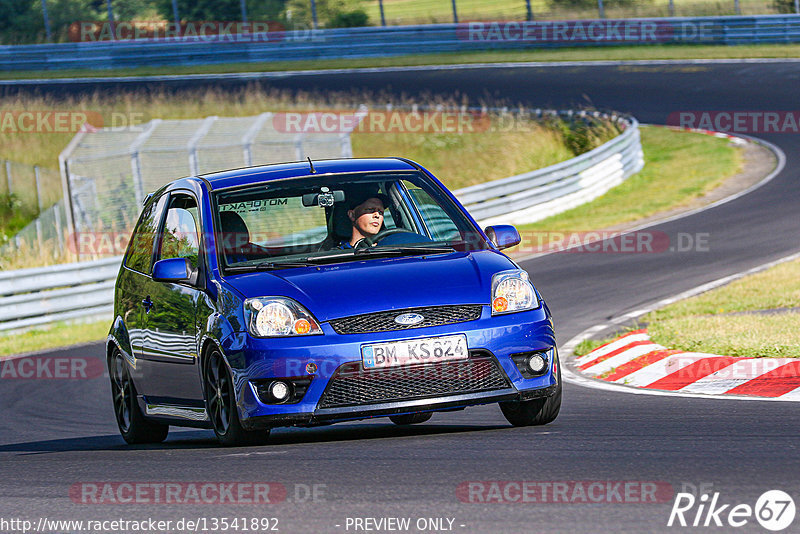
774, 510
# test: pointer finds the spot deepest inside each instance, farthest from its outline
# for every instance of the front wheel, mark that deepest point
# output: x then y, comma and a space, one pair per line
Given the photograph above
535, 411
132, 424
221, 405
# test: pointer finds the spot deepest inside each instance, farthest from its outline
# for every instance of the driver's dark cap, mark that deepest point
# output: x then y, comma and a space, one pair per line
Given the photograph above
356, 199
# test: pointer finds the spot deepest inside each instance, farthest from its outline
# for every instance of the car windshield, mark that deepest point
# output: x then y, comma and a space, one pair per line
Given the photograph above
295, 222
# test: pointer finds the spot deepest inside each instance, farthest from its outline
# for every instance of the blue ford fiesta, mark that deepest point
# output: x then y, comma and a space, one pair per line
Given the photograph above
317, 292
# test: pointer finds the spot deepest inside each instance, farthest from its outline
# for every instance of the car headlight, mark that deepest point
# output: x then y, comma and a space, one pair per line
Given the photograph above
512, 292
279, 316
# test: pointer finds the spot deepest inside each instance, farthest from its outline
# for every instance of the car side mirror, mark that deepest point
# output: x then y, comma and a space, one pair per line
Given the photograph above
174, 270
503, 235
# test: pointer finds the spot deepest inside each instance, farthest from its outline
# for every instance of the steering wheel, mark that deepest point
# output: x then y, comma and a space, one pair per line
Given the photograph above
389, 231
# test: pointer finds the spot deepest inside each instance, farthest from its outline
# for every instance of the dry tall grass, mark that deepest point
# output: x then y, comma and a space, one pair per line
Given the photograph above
509, 145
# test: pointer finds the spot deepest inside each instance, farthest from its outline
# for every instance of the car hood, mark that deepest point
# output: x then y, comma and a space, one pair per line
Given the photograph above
365, 286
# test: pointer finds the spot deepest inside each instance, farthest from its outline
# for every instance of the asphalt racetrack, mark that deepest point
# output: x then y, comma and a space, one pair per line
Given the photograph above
56, 435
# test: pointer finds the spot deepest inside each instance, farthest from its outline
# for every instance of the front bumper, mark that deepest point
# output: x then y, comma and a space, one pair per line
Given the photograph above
454, 402
499, 336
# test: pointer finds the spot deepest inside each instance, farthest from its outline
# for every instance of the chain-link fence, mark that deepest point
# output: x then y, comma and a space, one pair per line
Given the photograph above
411, 12
301, 14
108, 172
29, 192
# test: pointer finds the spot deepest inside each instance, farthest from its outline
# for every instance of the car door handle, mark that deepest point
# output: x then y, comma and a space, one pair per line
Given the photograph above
148, 304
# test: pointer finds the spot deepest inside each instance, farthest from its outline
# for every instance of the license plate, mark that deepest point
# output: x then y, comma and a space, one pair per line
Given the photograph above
415, 351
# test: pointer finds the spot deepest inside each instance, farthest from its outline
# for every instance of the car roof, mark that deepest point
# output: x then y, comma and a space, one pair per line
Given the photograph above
264, 173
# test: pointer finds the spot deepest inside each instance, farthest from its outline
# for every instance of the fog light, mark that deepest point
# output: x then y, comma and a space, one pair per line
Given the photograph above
279, 391
536, 363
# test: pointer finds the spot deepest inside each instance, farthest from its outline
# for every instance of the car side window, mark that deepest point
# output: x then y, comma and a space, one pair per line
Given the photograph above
180, 237
440, 225
140, 251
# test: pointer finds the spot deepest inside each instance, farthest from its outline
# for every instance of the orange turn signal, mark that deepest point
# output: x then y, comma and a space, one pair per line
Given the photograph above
500, 304
302, 326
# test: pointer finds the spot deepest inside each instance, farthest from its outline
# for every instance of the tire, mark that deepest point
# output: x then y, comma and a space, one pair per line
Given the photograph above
534, 412
410, 418
221, 405
132, 424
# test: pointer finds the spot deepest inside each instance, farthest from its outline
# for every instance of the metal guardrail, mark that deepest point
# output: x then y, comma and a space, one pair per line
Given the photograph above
535, 195
400, 40
33, 297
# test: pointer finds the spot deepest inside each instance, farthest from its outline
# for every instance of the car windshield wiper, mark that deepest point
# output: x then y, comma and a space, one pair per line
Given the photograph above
403, 250
270, 265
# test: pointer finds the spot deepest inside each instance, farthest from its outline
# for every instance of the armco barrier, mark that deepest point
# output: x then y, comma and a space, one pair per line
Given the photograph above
32, 297
538, 194
401, 40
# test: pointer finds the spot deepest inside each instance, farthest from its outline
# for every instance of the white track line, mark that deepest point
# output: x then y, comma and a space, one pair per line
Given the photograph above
566, 350
661, 369
611, 347
622, 358
792, 395
735, 375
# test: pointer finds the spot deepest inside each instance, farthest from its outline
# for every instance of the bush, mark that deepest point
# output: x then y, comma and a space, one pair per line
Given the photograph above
557, 5
349, 19
330, 13
583, 134
13, 215
19, 22
784, 6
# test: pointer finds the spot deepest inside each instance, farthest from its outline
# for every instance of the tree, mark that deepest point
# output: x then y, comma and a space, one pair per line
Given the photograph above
64, 13
19, 22
330, 13
588, 4
784, 6
221, 10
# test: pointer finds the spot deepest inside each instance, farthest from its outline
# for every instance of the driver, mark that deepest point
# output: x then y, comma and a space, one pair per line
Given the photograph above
366, 215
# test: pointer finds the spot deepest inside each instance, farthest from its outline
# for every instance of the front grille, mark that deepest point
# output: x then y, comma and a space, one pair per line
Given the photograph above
384, 321
353, 386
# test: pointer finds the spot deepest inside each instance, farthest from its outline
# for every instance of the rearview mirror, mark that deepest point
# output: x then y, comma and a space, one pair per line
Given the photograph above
324, 198
503, 235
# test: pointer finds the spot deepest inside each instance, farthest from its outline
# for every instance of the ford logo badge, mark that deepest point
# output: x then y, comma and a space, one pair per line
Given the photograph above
408, 319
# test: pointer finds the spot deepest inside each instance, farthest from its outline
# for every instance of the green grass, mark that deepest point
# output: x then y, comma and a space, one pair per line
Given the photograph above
650, 52
432, 11
459, 159
440, 151
679, 166
703, 323
778, 287
588, 345
770, 336
462, 160
58, 335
